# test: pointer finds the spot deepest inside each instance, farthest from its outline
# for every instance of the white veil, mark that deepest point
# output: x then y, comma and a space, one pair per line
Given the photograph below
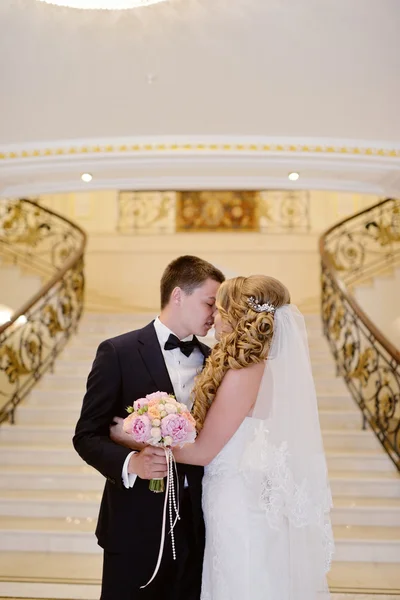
285, 465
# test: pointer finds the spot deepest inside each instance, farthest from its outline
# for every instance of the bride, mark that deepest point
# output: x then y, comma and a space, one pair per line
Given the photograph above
266, 495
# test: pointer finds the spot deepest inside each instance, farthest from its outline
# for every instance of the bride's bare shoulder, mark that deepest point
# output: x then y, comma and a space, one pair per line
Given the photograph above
248, 376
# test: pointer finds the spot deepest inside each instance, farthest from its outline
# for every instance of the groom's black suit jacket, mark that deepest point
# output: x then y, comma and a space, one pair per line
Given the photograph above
127, 368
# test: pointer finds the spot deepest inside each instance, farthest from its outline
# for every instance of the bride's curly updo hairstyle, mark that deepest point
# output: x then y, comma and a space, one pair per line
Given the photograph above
248, 333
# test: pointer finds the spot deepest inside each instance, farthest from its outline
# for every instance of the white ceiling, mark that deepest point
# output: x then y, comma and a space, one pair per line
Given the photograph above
316, 68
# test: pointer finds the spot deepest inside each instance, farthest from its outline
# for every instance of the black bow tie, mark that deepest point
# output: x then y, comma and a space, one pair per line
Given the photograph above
185, 347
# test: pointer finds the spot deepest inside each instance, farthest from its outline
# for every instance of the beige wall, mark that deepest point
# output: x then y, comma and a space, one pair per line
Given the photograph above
97, 211
124, 270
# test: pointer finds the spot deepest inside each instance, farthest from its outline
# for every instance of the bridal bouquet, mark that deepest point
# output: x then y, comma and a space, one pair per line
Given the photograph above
159, 420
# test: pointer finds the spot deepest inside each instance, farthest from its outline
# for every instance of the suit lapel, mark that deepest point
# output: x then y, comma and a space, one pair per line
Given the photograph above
153, 359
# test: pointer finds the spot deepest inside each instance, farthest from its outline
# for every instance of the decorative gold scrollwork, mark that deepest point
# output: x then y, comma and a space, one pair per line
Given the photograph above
28, 348
11, 364
51, 320
362, 371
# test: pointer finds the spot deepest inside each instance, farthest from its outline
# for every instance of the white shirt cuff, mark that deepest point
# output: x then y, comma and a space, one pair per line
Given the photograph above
128, 479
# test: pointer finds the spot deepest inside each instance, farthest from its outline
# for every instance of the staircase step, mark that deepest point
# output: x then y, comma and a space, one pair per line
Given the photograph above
372, 484
85, 505
50, 503
55, 452
324, 370
366, 511
381, 578
73, 382
357, 580
71, 535
30, 415
48, 535
98, 322
35, 434
42, 398
26, 477
349, 440
42, 408
340, 419
93, 339
318, 347
61, 397
319, 359
81, 369
51, 568
32, 429
354, 460
41, 575
39, 455
367, 544
88, 353
327, 369
332, 401
86, 569
330, 384
79, 353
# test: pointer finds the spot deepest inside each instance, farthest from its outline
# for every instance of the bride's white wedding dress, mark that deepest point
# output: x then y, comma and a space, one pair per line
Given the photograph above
266, 502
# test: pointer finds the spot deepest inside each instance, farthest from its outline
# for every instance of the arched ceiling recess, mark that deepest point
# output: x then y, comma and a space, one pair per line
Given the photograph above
263, 74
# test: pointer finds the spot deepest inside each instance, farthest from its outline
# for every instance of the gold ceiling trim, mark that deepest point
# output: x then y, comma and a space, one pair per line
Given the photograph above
160, 148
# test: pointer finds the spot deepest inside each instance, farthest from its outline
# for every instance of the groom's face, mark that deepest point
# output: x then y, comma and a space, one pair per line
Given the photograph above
197, 309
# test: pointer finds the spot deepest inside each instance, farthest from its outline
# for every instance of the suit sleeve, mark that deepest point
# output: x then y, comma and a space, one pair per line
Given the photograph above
100, 404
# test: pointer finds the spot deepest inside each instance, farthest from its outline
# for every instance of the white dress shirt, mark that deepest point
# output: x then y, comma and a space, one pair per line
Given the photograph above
182, 371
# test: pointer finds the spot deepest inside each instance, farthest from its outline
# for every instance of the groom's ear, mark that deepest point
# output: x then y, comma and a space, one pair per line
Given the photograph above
176, 296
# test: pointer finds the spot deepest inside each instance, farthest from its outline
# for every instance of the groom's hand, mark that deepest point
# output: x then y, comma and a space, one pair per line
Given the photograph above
150, 463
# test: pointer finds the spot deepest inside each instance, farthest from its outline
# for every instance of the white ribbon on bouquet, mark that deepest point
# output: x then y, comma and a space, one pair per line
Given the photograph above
172, 501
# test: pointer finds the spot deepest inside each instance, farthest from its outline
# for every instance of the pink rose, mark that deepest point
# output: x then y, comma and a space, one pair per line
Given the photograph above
156, 395
140, 428
176, 427
138, 404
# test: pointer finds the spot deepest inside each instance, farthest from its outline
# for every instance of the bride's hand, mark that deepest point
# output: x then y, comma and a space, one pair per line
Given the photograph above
119, 436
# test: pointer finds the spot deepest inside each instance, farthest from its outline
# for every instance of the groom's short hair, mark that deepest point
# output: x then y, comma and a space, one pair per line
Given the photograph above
188, 273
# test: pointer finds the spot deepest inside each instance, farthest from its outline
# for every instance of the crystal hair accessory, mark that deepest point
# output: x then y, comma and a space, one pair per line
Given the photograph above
267, 307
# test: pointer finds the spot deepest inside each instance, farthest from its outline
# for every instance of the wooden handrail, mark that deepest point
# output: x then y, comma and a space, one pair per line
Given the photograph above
348, 296
58, 276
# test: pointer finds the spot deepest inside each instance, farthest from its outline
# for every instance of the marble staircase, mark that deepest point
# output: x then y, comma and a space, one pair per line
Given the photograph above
49, 498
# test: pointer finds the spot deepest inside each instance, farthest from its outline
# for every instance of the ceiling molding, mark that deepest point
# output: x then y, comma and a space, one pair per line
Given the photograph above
143, 146
200, 162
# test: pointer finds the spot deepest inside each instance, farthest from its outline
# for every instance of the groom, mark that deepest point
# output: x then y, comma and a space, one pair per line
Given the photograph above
163, 356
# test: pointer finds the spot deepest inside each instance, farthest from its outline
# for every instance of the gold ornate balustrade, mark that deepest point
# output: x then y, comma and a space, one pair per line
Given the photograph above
355, 249
48, 244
